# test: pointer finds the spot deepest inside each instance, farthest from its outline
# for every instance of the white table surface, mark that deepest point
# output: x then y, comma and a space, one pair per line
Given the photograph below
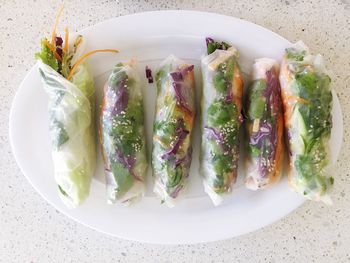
33, 231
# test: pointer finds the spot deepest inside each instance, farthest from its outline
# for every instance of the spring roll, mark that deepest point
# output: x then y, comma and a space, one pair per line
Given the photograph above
172, 132
70, 88
122, 135
220, 121
264, 126
307, 101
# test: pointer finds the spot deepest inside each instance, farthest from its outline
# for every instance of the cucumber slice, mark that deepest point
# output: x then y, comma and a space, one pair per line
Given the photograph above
298, 132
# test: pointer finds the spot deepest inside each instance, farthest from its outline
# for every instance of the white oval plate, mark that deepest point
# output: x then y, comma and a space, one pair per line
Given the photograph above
149, 38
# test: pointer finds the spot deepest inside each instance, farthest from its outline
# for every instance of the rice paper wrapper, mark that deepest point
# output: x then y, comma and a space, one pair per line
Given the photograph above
122, 135
220, 122
264, 126
71, 107
307, 100
172, 134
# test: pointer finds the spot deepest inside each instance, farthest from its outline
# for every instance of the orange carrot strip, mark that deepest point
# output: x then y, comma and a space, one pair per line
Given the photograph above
53, 50
159, 140
82, 58
66, 37
279, 150
55, 25
77, 42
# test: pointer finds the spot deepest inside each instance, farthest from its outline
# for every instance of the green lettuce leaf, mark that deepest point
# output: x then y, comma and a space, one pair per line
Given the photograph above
47, 56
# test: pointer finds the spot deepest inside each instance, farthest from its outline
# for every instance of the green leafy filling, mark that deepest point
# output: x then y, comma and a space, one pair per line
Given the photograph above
122, 177
126, 127
212, 46
165, 130
257, 102
47, 56
161, 75
60, 134
220, 112
316, 114
224, 117
126, 133
174, 175
223, 77
294, 54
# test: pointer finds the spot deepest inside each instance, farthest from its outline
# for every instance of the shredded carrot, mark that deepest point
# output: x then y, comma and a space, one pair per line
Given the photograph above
77, 42
159, 140
53, 50
188, 116
237, 81
66, 37
82, 58
55, 25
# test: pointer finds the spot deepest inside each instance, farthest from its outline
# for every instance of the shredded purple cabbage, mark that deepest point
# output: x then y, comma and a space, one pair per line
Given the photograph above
175, 193
214, 133
266, 131
127, 161
179, 93
274, 103
272, 84
209, 40
274, 93
179, 161
187, 163
229, 97
177, 76
149, 74
122, 97
186, 159
262, 167
183, 93
58, 41
58, 44
181, 134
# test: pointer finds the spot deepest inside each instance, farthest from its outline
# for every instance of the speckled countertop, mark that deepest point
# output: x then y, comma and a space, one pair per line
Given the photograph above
33, 231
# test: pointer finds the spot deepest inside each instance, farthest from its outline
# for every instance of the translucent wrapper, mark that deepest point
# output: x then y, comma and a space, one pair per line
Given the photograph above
172, 133
71, 107
122, 135
307, 101
221, 121
264, 126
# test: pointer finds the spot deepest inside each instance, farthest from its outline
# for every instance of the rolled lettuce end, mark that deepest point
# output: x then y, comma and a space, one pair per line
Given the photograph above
221, 121
72, 131
69, 84
122, 135
307, 100
264, 126
172, 132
